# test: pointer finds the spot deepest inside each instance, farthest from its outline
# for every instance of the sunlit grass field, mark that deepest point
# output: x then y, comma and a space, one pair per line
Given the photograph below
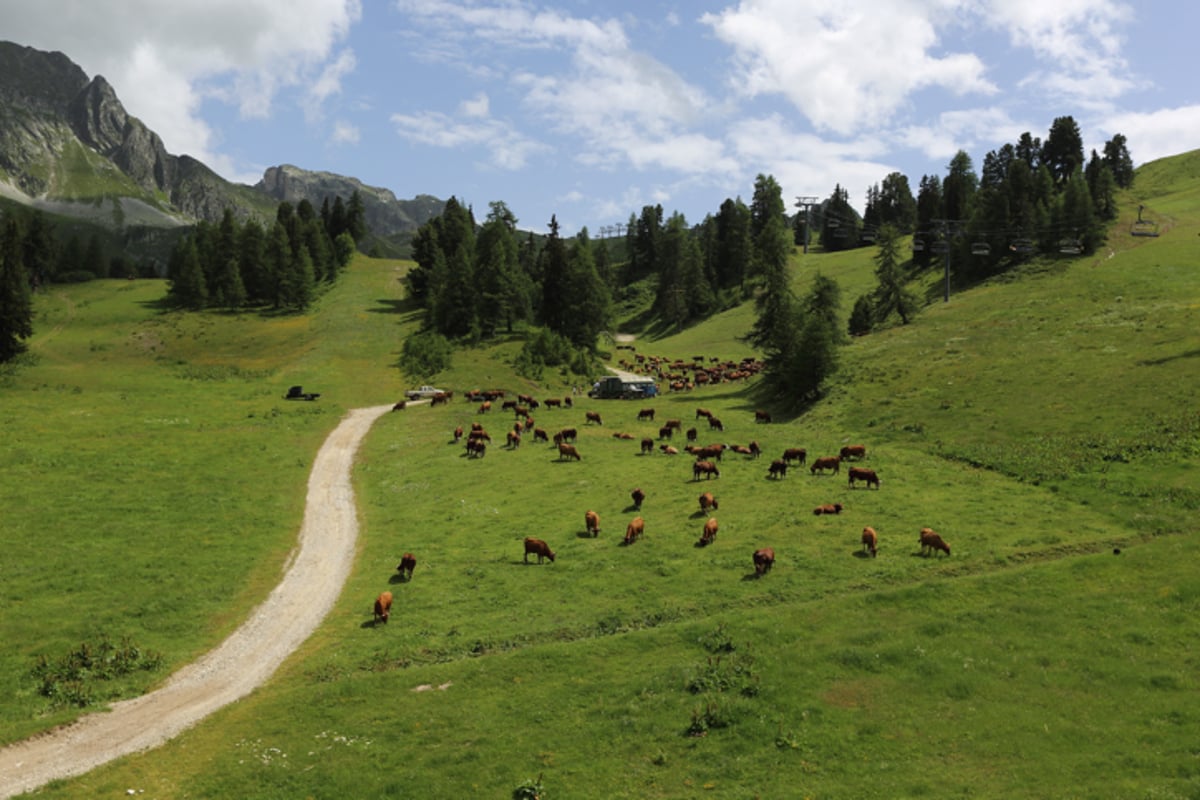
1045, 424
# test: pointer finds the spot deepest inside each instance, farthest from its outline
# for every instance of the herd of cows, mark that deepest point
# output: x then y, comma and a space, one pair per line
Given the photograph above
490, 403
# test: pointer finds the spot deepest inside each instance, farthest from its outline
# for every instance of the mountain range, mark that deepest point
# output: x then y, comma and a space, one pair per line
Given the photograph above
69, 148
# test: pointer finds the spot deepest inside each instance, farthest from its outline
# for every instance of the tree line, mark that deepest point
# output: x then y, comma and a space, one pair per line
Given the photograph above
234, 265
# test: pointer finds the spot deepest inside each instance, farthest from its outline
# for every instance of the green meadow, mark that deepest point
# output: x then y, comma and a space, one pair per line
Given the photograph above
1044, 423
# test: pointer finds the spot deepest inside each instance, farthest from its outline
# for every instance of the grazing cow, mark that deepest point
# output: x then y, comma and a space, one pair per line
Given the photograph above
762, 416
529, 423
703, 412
828, 508
708, 452
778, 468
715, 424
647, 445
514, 440
476, 448
710, 532
400, 406
553, 402
931, 541
593, 416
568, 451
860, 474
592, 520
458, 434
638, 496
569, 434
692, 433
831, 462
521, 411
408, 563
539, 435
870, 541
764, 559
646, 413
666, 432
795, 454
485, 407
754, 449
706, 468
539, 548
671, 451
675, 423
568, 402
854, 451
634, 530
741, 449
707, 501
383, 607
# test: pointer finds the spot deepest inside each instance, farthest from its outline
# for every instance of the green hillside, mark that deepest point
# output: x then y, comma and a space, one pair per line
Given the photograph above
1044, 423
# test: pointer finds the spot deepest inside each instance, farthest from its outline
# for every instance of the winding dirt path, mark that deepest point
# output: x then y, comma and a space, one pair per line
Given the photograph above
318, 569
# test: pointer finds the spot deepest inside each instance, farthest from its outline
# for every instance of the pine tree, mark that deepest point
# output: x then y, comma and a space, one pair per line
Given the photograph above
587, 297
16, 301
356, 218
891, 295
553, 268
1116, 156
188, 286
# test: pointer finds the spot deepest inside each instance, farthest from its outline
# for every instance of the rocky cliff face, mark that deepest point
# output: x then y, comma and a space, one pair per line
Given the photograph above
52, 114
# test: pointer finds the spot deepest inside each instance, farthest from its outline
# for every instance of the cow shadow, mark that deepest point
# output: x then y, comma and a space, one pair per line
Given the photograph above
398, 578
372, 623
698, 515
629, 509
751, 576
861, 554
585, 535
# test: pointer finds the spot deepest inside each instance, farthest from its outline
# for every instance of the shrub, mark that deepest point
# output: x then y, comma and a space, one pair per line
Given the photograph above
426, 354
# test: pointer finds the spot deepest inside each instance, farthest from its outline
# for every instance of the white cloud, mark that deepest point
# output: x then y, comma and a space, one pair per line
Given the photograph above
478, 106
165, 59
329, 82
509, 150
623, 107
1157, 134
849, 68
967, 129
345, 133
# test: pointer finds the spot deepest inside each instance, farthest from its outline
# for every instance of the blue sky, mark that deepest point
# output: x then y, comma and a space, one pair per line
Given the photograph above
591, 110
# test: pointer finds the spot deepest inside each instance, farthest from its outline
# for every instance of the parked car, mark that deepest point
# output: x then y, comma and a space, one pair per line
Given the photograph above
423, 393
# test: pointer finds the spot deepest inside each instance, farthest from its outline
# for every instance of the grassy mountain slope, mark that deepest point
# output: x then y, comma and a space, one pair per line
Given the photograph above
1040, 423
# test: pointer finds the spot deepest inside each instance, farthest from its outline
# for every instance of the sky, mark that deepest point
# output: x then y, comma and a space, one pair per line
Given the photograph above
588, 111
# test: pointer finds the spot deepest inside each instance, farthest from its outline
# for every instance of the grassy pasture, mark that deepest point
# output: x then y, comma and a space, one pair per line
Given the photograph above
1038, 423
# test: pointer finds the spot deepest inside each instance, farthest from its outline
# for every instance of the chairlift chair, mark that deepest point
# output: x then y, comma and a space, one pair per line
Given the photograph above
941, 246
918, 246
1144, 227
1070, 247
981, 249
1022, 246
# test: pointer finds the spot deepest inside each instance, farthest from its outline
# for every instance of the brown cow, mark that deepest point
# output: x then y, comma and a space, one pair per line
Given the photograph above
754, 449
831, 462
514, 439
870, 541
710, 532
408, 562
458, 434
552, 402
860, 474
666, 432
854, 451
400, 406
592, 520
568, 451
741, 449
703, 412
485, 407
622, 435
569, 434
538, 547
383, 607
715, 424
764, 559
539, 435
930, 541
707, 501
593, 416
476, 448
675, 423
638, 496
778, 468
647, 445
828, 508
692, 433
671, 451
709, 452
762, 416
706, 468
795, 454
635, 530
646, 413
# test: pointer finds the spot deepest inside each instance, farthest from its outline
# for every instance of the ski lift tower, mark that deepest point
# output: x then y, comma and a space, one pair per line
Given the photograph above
805, 204
949, 227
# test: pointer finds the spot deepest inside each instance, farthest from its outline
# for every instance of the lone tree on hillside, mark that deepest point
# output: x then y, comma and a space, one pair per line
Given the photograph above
891, 295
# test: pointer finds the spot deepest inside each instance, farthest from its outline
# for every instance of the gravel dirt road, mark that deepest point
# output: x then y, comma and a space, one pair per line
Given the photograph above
317, 569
